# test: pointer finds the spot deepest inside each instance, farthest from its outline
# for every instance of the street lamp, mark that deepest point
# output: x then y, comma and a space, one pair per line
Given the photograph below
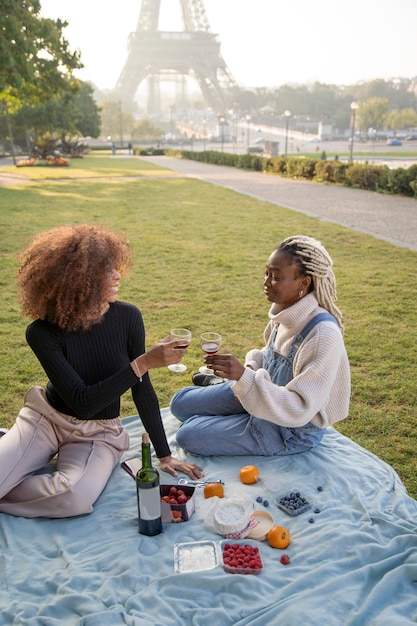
204, 133
354, 107
221, 124
287, 115
121, 124
248, 119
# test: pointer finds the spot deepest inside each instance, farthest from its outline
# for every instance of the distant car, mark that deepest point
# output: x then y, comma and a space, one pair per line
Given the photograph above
412, 137
255, 149
394, 142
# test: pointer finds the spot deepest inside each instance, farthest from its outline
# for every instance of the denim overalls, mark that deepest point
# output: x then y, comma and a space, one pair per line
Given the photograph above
215, 423
280, 369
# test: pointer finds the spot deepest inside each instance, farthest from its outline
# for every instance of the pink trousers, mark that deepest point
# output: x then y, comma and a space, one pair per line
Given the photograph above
87, 452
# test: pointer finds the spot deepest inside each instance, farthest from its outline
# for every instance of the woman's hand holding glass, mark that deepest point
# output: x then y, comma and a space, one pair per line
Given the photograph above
182, 338
164, 353
210, 344
225, 366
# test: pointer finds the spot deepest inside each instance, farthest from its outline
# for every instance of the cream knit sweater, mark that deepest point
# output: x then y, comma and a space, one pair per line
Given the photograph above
320, 390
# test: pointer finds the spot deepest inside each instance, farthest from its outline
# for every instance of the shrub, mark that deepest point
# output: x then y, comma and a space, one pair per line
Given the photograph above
363, 176
370, 177
400, 179
301, 168
250, 162
45, 145
276, 165
330, 171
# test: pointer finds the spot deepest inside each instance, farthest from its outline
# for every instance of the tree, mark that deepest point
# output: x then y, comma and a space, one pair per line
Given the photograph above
371, 114
401, 119
33, 50
145, 130
75, 114
115, 122
36, 64
87, 113
398, 97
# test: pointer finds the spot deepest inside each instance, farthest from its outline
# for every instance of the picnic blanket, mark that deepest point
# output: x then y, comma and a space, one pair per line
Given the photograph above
355, 564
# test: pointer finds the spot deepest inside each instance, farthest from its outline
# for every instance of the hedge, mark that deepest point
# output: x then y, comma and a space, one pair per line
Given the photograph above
378, 178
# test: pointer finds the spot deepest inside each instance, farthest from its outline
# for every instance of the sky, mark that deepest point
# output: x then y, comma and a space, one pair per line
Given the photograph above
265, 43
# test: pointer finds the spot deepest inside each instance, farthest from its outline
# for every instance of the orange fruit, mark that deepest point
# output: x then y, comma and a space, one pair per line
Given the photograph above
213, 489
249, 474
278, 537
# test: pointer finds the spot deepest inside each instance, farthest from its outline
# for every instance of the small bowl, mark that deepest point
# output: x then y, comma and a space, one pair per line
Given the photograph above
261, 530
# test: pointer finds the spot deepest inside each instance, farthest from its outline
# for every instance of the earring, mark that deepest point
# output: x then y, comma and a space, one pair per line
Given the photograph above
300, 294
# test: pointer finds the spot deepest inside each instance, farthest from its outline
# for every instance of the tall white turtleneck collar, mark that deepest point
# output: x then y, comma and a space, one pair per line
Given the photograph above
291, 316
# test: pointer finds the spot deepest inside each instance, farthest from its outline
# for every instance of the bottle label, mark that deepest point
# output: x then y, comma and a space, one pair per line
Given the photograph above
149, 503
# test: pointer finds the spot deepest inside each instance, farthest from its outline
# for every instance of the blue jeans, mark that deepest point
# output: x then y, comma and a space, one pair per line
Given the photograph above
215, 423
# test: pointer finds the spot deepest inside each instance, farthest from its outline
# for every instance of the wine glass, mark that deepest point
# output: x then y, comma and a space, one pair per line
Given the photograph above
210, 344
183, 335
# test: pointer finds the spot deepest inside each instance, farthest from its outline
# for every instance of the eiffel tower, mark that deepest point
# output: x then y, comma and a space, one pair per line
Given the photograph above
194, 52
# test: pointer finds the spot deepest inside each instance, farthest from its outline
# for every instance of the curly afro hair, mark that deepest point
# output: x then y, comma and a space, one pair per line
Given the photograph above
64, 274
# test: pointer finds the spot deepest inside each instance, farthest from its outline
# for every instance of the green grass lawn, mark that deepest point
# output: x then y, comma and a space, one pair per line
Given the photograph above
199, 255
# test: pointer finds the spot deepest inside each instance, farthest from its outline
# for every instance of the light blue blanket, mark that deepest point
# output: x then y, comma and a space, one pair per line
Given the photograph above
355, 565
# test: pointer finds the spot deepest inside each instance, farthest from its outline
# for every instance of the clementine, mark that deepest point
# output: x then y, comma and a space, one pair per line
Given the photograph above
249, 474
213, 489
279, 537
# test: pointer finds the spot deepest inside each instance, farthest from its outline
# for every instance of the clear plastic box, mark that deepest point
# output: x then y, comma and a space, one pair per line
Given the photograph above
250, 555
293, 503
197, 556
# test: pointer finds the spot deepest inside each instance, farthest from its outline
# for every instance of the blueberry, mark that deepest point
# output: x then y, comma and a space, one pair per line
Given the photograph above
316, 510
259, 499
311, 520
319, 488
266, 503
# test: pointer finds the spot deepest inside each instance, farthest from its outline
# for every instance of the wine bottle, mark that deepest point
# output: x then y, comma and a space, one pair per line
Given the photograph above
148, 495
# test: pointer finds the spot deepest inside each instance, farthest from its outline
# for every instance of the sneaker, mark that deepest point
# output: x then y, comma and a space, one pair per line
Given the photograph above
3, 431
205, 380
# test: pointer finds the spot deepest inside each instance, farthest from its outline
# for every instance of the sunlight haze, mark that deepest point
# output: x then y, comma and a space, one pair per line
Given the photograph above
266, 43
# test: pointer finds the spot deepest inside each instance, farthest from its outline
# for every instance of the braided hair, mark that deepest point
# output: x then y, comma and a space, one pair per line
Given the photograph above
314, 260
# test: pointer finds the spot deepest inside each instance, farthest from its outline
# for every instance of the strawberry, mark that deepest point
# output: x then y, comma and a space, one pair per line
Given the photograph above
285, 559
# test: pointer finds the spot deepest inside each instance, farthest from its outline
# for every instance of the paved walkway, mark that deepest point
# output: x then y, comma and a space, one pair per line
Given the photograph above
392, 218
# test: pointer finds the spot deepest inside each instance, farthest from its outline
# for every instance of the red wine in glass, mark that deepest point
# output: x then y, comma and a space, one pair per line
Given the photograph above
210, 344
183, 335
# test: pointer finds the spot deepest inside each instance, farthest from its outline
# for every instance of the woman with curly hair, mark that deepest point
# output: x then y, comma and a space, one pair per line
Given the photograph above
283, 397
92, 349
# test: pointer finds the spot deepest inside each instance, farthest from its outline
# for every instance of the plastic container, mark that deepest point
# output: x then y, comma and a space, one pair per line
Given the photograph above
241, 557
196, 556
293, 503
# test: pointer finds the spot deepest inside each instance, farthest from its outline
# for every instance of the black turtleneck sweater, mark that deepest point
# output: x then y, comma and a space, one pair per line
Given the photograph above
89, 370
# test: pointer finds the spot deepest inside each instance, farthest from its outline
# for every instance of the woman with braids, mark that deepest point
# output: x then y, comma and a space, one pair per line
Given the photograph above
92, 349
285, 395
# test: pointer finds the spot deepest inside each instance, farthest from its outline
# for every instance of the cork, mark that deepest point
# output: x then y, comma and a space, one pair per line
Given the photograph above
145, 438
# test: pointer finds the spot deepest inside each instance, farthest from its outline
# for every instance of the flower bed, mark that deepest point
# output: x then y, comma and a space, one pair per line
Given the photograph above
50, 161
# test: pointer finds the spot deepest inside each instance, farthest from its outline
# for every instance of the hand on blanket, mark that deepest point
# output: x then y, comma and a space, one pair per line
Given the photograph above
173, 466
